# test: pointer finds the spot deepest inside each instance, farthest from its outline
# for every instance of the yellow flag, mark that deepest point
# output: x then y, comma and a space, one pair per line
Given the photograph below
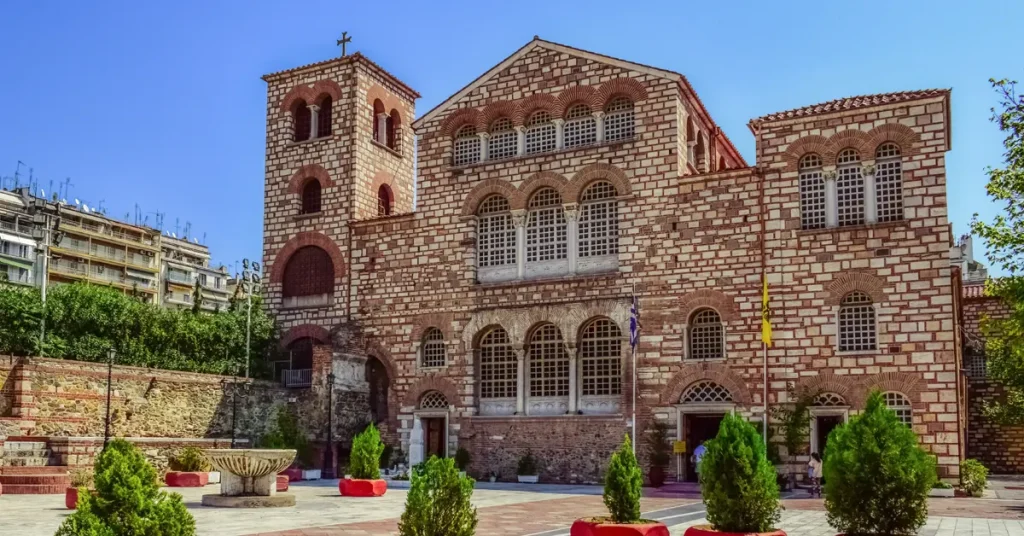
766, 315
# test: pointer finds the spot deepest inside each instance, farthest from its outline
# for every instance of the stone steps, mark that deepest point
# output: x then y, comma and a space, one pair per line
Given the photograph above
34, 489
40, 480
27, 462
34, 470
34, 453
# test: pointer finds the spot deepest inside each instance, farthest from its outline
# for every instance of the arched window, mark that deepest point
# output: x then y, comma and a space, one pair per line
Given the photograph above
888, 183
812, 193
849, 188
467, 146
618, 120
379, 122
311, 197
504, 141
323, 118
433, 400
378, 383
300, 353
580, 127
540, 133
599, 221
705, 392
601, 357
548, 363
303, 121
385, 200
701, 155
856, 323
499, 372
433, 350
829, 400
309, 272
898, 403
545, 227
496, 234
393, 122
707, 335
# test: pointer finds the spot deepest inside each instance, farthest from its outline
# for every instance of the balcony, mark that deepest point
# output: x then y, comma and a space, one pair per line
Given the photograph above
16, 227
297, 378
69, 268
142, 261
180, 279
106, 231
108, 275
14, 275
107, 253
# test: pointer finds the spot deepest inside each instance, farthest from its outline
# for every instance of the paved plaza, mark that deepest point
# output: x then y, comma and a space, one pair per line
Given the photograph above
506, 510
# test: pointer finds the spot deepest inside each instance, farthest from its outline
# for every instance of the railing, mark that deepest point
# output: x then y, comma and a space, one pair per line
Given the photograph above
69, 268
22, 277
108, 275
108, 253
15, 228
101, 229
140, 260
179, 278
297, 378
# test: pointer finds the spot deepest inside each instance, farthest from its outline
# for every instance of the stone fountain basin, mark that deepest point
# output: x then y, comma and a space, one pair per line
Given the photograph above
251, 463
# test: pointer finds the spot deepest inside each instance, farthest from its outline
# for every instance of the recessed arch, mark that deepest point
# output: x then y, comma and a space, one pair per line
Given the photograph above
492, 112
592, 173
459, 119
847, 282
432, 382
315, 171
725, 306
578, 95
900, 134
847, 139
537, 181
802, 147
538, 102
827, 382
715, 372
304, 239
487, 188
310, 331
626, 87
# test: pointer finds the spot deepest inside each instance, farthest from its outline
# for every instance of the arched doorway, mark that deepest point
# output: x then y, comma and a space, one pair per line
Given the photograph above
379, 383
702, 406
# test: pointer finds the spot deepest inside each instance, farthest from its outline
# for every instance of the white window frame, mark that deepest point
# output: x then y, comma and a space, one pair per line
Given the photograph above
547, 372
619, 120
907, 406
497, 247
598, 229
839, 324
541, 134
500, 356
466, 146
888, 183
601, 350
547, 241
813, 195
504, 140
580, 129
688, 332
850, 184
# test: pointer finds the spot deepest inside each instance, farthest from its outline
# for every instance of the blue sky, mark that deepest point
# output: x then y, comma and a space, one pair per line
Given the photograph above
162, 104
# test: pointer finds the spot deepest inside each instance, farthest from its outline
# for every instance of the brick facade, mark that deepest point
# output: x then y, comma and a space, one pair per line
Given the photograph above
697, 227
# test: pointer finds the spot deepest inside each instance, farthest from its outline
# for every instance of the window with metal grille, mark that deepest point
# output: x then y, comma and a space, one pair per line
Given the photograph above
303, 119
599, 221
888, 183
467, 146
812, 193
580, 127
540, 133
849, 188
384, 200
898, 403
618, 120
309, 272
548, 362
707, 392
545, 227
707, 335
496, 234
856, 323
433, 349
504, 140
974, 361
323, 118
498, 366
300, 353
311, 197
829, 400
601, 356
433, 400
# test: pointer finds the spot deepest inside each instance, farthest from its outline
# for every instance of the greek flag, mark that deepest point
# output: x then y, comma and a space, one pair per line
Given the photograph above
634, 323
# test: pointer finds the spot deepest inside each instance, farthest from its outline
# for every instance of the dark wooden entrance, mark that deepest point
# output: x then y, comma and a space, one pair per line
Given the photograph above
826, 423
699, 428
434, 437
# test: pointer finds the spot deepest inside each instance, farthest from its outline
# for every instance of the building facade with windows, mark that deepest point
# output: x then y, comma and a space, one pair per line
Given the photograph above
496, 315
186, 264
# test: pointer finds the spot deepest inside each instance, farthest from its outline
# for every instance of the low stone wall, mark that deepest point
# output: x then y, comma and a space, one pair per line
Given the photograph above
82, 451
998, 447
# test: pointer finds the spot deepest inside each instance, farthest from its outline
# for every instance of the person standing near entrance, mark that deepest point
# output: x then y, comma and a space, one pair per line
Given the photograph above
814, 474
698, 453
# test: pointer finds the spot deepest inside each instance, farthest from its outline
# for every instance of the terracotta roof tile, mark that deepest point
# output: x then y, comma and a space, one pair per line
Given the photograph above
358, 56
852, 103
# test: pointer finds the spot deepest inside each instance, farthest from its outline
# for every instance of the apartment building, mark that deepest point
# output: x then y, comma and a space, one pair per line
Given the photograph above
183, 265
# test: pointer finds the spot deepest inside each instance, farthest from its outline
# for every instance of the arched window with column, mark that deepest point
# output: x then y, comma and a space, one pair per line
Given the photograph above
899, 404
498, 373
496, 234
545, 227
311, 197
302, 119
503, 141
857, 329
599, 221
308, 278
580, 127
600, 350
849, 188
466, 149
323, 118
706, 335
888, 183
540, 133
812, 193
432, 351
619, 121
547, 366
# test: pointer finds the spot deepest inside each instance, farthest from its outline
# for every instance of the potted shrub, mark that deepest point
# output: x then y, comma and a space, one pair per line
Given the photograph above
738, 483
439, 501
189, 469
876, 456
623, 484
364, 466
81, 479
660, 454
973, 477
286, 435
527, 470
462, 459
128, 499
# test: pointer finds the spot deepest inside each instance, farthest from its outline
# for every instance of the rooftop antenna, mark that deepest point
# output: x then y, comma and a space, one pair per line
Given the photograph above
100, 207
17, 175
67, 188
204, 238
51, 189
188, 229
177, 225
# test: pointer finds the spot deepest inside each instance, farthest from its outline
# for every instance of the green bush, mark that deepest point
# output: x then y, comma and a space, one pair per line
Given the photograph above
190, 460
81, 478
974, 477
366, 452
738, 482
527, 465
658, 445
622, 485
462, 458
286, 435
128, 500
876, 476
438, 503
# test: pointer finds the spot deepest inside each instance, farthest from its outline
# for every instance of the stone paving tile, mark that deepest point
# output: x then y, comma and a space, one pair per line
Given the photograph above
960, 507
814, 523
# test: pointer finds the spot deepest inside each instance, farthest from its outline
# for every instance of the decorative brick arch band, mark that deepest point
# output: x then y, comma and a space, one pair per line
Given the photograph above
487, 188
865, 143
432, 382
540, 102
902, 382
492, 112
310, 93
388, 99
726, 307
317, 333
301, 240
848, 139
802, 147
459, 119
848, 282
720, 374
441, 321
578, 95
827, 382
593, 173
626, 87
898, 133
309, 171
543, 179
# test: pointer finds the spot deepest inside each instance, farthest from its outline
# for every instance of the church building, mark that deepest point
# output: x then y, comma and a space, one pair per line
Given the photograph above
468, 275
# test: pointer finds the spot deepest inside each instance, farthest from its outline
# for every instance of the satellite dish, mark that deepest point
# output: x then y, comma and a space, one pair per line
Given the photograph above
77, 202
42, 193
85, 207
174, 235
63, 201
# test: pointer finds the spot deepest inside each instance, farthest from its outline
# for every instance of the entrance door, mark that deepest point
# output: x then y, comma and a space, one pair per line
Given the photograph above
699, 428
434, 437
825, 425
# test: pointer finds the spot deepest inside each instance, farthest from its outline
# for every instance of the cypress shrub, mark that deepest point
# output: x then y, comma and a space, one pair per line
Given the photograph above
438, 503
128, 500
974, 477
622, 485
367, 449
876, 476
737, 480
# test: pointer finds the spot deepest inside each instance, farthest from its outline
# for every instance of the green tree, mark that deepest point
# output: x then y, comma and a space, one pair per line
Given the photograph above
1004, 345
128, 500
737, 480
623, 484
21, 309
367, 449
438, 503
876, 476
197, 298
287, 435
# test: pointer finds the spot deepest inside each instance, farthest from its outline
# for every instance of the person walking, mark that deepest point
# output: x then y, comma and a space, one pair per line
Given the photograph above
814, 474
698, 453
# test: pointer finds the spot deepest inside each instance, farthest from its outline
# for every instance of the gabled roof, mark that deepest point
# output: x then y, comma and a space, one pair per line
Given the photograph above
356, 57
851, 103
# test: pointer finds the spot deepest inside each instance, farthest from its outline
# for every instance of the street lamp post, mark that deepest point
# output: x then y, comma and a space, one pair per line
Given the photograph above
328, 468
47, 232
250, 283
110, 376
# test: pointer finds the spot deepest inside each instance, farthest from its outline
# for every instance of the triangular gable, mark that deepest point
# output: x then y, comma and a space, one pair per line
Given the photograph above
526, 49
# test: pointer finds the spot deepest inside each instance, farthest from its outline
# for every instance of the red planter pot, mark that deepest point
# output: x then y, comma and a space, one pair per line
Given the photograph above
706, 530
71, 498
282, 483
656, 477
294, 473
602, 527
354, 487
182, 479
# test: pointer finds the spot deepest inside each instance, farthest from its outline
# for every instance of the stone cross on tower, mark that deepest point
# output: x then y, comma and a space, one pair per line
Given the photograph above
345, 39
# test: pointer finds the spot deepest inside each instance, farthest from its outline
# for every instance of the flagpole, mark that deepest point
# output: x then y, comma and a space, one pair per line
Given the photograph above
764, 417
633, 347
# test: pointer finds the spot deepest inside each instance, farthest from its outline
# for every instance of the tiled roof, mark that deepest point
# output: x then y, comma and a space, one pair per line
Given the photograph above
852, 103
358, 56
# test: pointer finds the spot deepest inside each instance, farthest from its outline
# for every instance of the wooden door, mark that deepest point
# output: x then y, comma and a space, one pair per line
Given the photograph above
435, 437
